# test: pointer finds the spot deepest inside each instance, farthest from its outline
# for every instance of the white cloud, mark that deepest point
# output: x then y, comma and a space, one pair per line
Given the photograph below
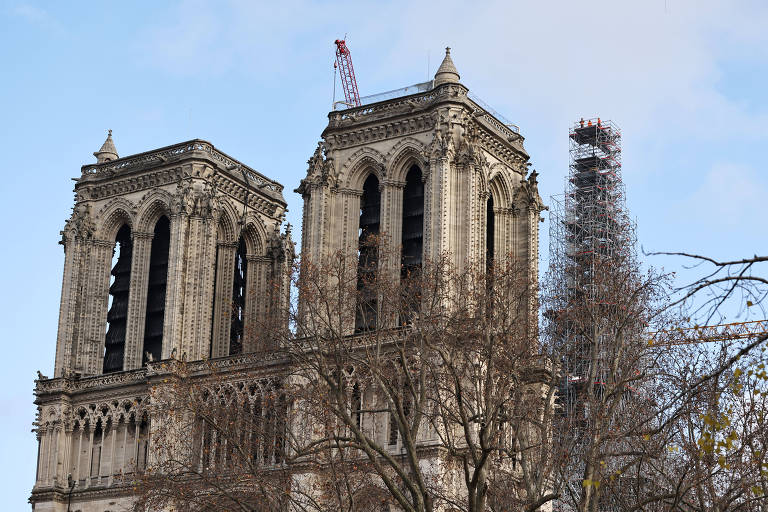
731, 198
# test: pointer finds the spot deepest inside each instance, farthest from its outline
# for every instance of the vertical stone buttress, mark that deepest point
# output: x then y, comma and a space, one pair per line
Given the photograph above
192, 254
222, 311
137, 304
70, 309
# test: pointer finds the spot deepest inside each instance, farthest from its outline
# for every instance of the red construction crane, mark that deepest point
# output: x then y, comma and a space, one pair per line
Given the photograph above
347, 72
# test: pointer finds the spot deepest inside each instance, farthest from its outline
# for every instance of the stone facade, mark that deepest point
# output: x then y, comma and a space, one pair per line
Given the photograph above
465, 155
93, 425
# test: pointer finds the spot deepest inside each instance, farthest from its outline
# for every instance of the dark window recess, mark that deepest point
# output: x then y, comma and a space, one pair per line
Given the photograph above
413, 220
412, 241
357, 405
114, 343
489, 234
158, 278
370, 216
238, 300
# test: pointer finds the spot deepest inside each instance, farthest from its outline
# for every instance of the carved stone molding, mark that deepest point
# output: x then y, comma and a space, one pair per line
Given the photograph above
171, 153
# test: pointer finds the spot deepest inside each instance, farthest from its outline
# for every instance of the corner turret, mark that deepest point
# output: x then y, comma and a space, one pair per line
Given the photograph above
447, 72
108, 152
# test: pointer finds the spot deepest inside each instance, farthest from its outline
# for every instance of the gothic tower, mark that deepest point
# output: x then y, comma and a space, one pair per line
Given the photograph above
168, 254
432, 167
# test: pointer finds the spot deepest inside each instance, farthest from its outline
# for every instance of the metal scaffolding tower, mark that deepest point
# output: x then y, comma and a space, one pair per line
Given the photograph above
592, 240
589, 231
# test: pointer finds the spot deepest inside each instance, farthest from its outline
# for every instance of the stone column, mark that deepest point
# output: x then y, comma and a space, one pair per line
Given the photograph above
318, 200
392, 227
174, 292
477, 213
437, 195
137, 300
198, 288
222, 303
65, 452
93, 323
42, 455
71, 302
257, 300
351, 201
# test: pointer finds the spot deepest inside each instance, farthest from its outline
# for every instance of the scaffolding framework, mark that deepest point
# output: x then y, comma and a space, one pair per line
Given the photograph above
591, 239
589, 229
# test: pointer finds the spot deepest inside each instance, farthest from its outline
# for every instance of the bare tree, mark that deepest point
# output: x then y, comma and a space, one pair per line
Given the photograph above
443, 398
426, 388
423, 388
655, 423
738, 284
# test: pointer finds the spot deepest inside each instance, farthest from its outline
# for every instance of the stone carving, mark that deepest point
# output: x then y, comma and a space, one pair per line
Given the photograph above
162, 156
183, 202
321, 168
527, 194
280, 245
207, 200
80, 225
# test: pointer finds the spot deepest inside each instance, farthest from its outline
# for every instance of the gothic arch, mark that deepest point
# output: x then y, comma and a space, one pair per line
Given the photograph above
151, 207
403, 156
113, 216
255, 235
500, 187
363, 162
225, 231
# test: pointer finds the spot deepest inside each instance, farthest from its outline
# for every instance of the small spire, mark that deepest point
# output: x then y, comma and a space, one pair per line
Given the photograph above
447, 72
107, 151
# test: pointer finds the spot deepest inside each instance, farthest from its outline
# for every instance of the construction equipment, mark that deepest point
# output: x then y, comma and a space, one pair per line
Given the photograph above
347, 73
709, 333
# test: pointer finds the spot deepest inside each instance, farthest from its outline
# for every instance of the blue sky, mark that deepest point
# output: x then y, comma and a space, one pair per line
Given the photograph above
685, 80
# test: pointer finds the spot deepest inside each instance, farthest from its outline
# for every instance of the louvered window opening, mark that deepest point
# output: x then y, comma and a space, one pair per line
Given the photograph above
370, 218
413, 221
158, 279
237, 323
114, 344
412, 242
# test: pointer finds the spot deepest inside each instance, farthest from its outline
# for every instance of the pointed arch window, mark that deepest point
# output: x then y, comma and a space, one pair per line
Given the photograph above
413, 221
412, 242
114, 344
158, 278
367, 263
237, 318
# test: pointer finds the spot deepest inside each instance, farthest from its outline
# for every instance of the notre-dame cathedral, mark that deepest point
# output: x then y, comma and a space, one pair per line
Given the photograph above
168, 255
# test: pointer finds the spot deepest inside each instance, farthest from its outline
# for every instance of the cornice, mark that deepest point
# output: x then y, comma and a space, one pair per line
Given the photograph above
413, 114
196, 148
60, 494
121, 381
170, 164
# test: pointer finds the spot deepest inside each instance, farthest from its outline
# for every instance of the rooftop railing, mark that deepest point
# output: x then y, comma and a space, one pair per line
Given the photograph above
339, 106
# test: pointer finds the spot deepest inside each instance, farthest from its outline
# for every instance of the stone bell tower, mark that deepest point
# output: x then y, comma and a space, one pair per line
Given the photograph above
431, 166
172, 253
185, 232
